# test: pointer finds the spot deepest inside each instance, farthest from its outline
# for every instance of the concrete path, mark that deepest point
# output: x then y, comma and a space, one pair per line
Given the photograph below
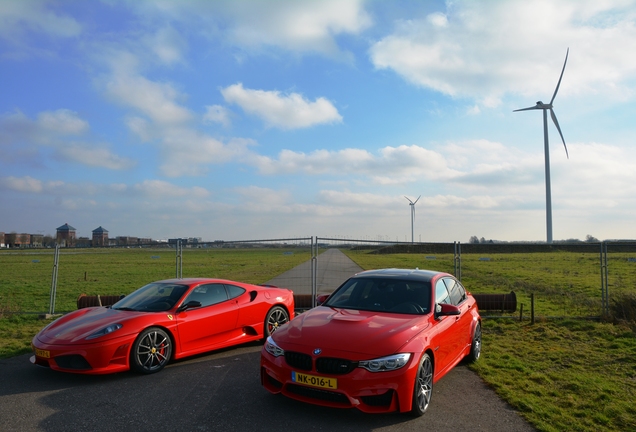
333, 268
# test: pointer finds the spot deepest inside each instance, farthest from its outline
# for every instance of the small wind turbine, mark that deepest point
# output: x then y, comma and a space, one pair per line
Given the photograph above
412, 204
545, 107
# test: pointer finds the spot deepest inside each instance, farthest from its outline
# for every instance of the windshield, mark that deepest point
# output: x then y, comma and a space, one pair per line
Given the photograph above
154, 297
383, 295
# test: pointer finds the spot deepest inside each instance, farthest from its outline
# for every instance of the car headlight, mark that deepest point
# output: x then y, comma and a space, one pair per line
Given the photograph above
106, 330
272, 348
385, 364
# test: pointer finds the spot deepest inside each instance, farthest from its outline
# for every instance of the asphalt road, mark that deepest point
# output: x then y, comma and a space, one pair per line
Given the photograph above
221, 392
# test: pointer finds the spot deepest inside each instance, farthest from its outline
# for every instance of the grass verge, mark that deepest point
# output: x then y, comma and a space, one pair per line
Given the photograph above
563, 375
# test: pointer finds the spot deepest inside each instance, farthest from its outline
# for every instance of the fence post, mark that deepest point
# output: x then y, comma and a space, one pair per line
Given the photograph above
179, 260
604, 280
56, 261
532, 308
314, 270
457, 260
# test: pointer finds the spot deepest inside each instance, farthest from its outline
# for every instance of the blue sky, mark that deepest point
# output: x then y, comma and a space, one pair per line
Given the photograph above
234, 120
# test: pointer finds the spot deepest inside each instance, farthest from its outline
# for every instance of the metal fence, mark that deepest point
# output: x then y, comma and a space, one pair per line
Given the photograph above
547, 281
556, 280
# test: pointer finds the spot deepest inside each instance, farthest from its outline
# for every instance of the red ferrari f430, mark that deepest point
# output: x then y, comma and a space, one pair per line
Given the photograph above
164, 320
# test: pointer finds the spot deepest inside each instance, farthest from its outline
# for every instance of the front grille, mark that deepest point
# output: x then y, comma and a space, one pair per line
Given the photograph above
334, 366
74, 361
323, 395
379, 400
298, 360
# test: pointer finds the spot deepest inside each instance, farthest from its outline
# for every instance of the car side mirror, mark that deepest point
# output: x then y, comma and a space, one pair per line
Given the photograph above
320, 299
444, 309
189, 305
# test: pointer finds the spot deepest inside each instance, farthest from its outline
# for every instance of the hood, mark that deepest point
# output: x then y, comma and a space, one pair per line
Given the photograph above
364, 332
78, 325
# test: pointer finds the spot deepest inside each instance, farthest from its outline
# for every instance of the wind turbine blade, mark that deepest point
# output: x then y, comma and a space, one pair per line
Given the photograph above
418, 198
408, 199
529, 108
559, 83
556, 123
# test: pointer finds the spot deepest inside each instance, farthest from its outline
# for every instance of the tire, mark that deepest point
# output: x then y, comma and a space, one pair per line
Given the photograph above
423, 386
276, 317
151, 351
475, 347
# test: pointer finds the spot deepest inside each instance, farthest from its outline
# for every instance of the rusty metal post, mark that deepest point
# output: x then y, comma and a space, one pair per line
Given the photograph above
532, 308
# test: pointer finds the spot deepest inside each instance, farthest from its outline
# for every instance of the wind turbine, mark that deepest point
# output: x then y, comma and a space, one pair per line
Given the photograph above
412, 204
545, 107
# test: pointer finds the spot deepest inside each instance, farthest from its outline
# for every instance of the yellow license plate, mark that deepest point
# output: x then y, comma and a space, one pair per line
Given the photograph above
315, 381
42, 353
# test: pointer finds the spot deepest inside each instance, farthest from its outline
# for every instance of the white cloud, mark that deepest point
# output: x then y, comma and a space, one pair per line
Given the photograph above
33, 15
147, 189
163, 189
167, 44
58, 130
162, 119
289, 111
515, 47
297, 26
21, 184
156, 100
392, 165
89, 155
292, 25
217, 114
187, 152
264, 199
49, 126
62, 121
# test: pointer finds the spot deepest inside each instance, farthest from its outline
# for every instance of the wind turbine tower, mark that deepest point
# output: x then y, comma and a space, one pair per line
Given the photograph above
546, 148
412, 204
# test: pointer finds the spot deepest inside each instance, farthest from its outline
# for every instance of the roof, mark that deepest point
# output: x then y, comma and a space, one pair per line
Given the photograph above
408, 274
99, 230
66, 227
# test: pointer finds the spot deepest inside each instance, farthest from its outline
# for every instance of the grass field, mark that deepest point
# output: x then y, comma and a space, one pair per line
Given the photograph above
566, 374
25, 283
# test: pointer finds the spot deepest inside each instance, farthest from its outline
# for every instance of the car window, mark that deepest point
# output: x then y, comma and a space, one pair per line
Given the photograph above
154, 297
383, 295
208, 294
457, 291
441, 293
234, 291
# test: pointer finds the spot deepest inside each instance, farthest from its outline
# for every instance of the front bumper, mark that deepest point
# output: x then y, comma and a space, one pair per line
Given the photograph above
370, 392
104, 357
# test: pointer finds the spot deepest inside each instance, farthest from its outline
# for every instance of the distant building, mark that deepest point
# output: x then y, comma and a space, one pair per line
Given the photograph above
127, 241
100, 237
66, 236
37, 240
2, 240
14, 240
83, 242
